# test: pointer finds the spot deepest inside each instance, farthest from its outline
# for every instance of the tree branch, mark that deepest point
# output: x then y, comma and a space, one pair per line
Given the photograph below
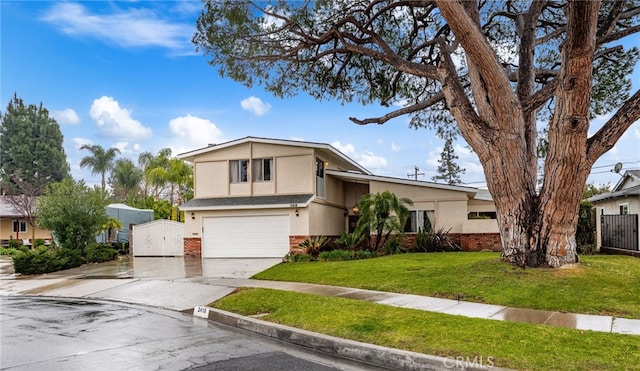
605, 138
403, 111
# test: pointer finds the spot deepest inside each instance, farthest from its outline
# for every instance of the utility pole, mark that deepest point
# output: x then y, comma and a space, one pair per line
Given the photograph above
416, 172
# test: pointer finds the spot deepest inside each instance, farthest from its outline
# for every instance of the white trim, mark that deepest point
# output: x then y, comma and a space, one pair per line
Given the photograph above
245, 207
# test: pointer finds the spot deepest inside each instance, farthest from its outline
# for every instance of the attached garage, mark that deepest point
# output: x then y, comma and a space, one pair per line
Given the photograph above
254, 236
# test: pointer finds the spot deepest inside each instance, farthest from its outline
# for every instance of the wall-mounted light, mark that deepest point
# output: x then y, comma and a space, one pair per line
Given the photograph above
193, 216
297, 212
355, 209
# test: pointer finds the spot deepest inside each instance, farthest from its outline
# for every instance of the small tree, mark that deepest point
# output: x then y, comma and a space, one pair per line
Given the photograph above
74, 212
448, 169
383, 213
22, 196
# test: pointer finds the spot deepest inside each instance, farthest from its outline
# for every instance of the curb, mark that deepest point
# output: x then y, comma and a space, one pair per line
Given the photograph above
376, 355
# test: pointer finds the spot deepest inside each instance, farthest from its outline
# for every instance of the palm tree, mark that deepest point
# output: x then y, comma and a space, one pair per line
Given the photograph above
126, 177
100, 161
384, 213
155, 169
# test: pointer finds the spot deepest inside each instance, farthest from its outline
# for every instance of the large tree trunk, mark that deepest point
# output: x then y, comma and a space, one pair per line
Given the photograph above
537, 228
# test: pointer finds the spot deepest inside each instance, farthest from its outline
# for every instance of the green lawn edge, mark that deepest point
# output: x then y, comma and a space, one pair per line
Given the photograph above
503, 344
599, 284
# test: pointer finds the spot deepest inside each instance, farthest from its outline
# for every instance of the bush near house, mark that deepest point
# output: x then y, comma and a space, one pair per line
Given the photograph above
45, 259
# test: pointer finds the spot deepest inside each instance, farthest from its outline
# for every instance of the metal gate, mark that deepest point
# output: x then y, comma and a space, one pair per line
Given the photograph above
620, 231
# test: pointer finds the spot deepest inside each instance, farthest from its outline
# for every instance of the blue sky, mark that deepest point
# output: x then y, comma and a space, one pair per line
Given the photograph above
125, 75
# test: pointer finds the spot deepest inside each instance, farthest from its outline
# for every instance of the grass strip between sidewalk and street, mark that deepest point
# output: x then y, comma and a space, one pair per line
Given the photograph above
499, 343
599, 284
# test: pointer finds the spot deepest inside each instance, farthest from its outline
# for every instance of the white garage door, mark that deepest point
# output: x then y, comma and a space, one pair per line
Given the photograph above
246, 236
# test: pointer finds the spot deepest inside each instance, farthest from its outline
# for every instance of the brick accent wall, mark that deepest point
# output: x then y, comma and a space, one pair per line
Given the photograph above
192, 247
480, 241
294, 241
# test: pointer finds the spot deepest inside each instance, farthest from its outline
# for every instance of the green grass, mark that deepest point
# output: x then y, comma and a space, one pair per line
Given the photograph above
600, 284
506, 344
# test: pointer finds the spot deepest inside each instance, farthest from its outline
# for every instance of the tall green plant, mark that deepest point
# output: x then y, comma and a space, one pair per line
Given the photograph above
74, 212
100, 161
382, 213
30, 147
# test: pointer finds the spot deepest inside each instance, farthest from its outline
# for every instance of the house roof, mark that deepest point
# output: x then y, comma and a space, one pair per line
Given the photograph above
631, 191
250, 202
633, 174
322, 147
7, 210
475, 193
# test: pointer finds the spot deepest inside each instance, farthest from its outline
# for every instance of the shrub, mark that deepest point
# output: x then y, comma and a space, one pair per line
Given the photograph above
44, 260
98, 253
313, 245
434, 241
362, 254
15, 244
8, 251
38, 242
393, 245
350, 241
335, 255
294, 258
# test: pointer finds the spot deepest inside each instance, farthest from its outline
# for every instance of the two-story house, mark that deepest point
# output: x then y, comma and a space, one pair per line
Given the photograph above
258, 197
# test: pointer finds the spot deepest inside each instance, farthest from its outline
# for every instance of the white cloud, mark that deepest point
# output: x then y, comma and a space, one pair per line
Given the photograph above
79, 142
125, 148
395, 147
255, 105
368, 160
116, 122
125, 28
194, 132
66, 117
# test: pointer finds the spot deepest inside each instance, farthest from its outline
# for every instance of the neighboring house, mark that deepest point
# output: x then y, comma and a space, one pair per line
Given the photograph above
14, 225
257, 197
617, 214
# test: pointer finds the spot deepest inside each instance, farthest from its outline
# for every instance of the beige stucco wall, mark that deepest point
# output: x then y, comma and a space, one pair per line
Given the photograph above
295, 174
293, 168
450, 207
481, 205
211, 178
326, 219
6, 231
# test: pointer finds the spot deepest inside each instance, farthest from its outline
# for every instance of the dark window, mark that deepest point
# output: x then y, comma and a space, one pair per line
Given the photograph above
238, 171
262, 170
19, 226
419, 219
482, 215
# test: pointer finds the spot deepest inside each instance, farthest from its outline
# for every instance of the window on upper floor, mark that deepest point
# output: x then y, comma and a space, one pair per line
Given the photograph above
262, 170
20, 226
239, 171
320, 184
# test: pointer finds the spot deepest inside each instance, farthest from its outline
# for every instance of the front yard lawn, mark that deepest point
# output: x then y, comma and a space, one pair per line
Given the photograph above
503, 344
600, 284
